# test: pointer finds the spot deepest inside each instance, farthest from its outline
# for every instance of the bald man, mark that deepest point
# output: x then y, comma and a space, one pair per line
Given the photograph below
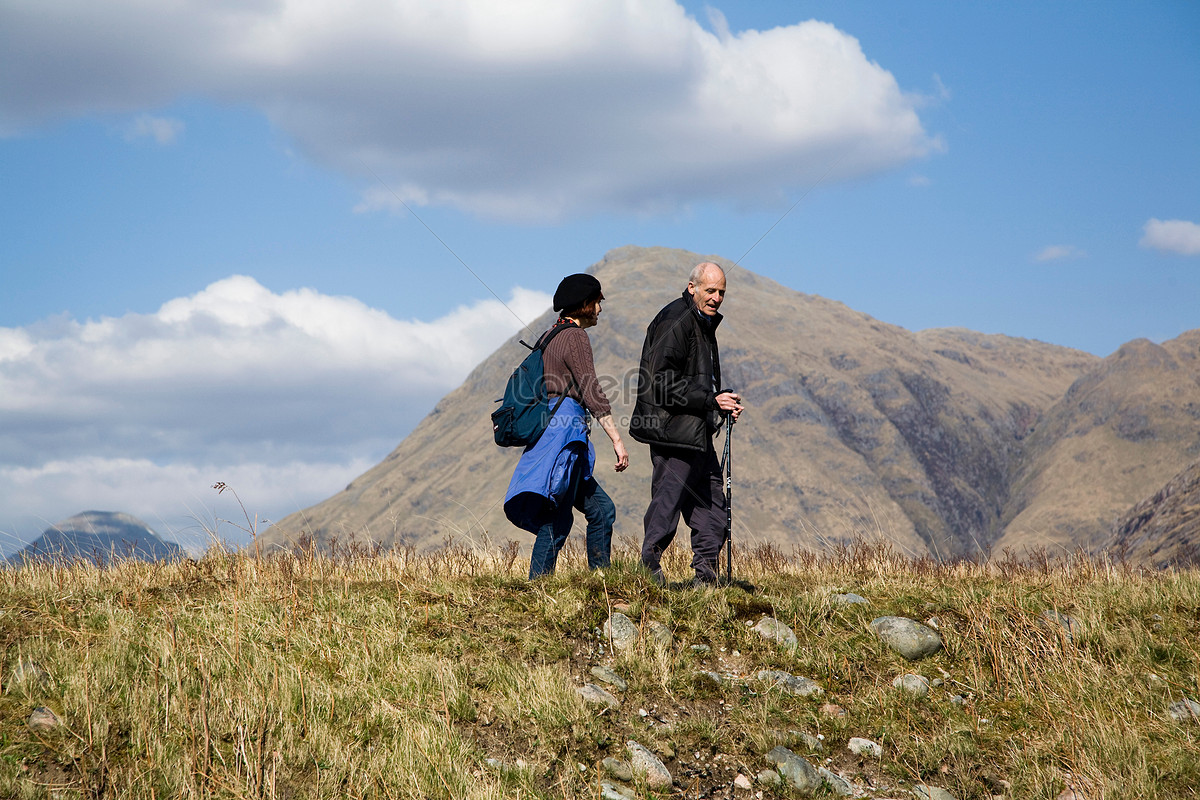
679, 408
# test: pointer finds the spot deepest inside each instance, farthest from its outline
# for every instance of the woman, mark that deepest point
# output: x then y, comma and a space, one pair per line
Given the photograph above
555, 474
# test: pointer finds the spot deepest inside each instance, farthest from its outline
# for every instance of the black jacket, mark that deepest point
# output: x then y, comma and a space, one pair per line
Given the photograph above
678, 379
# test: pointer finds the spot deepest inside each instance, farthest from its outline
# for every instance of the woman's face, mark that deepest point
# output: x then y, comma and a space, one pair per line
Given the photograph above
590, 314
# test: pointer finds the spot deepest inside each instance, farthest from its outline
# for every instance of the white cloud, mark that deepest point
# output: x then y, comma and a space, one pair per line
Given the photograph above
1059, 252
163, 130
175, 499
270, 392
1172, 236
535, 110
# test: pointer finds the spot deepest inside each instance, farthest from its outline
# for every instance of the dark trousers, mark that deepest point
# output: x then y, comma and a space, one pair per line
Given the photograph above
688, 483
600, 513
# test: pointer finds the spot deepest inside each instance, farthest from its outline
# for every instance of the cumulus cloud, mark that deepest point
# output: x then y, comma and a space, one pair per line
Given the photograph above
536, 111
1172, 236
1059, 252
287, 395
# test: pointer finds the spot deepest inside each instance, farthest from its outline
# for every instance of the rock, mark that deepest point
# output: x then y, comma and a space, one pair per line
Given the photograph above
849, 599
618, 769
792, 684
710, 677
811, 742
621, 632
769, 777
647, 765
916, 685
742, 782
795, 770
609, 791
833, 710
907, 637
926, 792
596, 696
1186, 710
606, 675
1060, 623
865, 747
840, 785
660, 634
28, 676
774, 630
1071, 794
958, 700
43, 720
701, 649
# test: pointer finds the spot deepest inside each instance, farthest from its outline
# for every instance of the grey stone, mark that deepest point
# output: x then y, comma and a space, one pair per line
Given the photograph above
710, 676
769, 777
618, 769
792, 684
864, 747
795, 770
606, 675
1186, 710
701, 649
609, 791
43, 720
916, 685
28, 676
648, 766
909, 638
1062, 624
660, 634
620, 631
924, 791
776, 631
850, 599
811, 742
840, 785
595, 695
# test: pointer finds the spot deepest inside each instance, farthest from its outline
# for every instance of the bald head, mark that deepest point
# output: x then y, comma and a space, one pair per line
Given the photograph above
706, 285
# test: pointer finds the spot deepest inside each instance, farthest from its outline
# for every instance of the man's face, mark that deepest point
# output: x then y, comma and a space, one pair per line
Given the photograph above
709, 292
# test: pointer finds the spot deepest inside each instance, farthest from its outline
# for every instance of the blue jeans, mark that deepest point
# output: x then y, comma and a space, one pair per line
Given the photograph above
597, 508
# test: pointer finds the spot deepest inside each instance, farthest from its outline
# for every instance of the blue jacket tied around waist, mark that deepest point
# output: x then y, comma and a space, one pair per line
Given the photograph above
542, 478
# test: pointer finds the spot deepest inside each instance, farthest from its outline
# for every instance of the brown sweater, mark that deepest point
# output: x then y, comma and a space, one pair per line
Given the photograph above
569, 356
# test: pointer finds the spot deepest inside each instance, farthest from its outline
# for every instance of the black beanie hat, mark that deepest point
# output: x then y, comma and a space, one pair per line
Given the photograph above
575, 290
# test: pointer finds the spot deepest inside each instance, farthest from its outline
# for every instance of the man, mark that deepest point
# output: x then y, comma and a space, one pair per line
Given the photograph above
679, 405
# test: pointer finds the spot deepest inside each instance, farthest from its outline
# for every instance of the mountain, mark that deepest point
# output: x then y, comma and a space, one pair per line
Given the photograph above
1118, 434
1164, 528
945, 442
98, 536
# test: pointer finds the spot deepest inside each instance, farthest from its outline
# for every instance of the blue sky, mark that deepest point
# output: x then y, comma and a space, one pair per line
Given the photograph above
207, 275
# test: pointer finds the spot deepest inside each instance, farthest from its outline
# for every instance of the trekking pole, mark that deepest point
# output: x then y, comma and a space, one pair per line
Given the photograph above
727, 468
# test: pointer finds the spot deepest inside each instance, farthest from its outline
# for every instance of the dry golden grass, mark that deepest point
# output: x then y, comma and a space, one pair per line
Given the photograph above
360, 673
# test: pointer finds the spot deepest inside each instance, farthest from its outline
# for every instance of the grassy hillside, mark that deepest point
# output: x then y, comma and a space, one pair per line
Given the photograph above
448, 675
